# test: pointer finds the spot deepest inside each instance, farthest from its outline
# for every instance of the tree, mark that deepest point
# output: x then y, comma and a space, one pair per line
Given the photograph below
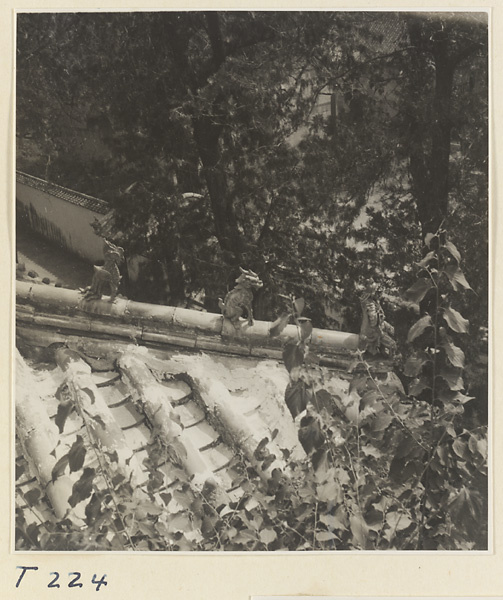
209, 103
409, 149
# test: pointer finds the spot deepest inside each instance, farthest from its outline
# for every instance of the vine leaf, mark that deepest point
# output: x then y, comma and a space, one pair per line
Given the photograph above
279, 324
482, 448
463, 398
268, 462
359, 529
381, 422
358, 384
306, 328
98, 419
453, 251
332, 522
90, 393
166, 498
329, 491
267, 536
310, 434
355, 364
324, 400
296, 397
59, 467
370, 450
406, 448
325, 536
293, 355
429, 238
466, 511
455, 355
20, 470
456, 321
93, 509
369, 398
456, 278
352, 411
258, 450
118, 479
59, 394
422, 263
414, 365
150, 508
417, 329
298, 306
460, 448
419, 385
398, 521
65, 409
419, 290
155, 480
453, 378
320, 460
82, 488
33, 496
77, 454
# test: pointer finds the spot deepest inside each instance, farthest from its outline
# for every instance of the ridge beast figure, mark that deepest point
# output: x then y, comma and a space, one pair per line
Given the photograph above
376, 334
107, 275
240, 298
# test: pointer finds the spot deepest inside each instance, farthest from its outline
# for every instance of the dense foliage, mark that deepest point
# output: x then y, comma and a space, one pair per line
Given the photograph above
323, 144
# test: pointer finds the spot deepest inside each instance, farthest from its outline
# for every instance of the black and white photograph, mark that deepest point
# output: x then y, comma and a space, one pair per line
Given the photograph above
251, 282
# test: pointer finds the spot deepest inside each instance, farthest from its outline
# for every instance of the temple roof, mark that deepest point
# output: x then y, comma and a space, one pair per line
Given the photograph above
143, 383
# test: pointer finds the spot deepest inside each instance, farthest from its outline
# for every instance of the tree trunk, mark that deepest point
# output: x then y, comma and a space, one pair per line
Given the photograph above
441, 136
174, 269
176, 281
431, 140
430, 146
207, 131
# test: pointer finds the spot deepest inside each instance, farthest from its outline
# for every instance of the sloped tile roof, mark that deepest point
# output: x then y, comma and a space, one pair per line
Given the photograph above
89, 377
244, 405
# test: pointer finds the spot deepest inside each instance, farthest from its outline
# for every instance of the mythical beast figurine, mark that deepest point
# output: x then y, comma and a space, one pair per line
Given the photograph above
240, 298
376, 334
107, 275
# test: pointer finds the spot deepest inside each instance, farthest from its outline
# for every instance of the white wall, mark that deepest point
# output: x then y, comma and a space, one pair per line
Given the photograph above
64, 222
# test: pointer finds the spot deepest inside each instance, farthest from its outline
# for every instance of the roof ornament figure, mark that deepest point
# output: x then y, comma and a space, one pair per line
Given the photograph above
240, 298
108, 275
376, 334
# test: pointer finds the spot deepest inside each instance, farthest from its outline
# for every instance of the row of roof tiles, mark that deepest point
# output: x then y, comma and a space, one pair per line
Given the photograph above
214, 408
89, 202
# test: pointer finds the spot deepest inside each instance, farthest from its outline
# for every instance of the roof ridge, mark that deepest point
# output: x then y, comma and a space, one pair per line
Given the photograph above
158, 324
